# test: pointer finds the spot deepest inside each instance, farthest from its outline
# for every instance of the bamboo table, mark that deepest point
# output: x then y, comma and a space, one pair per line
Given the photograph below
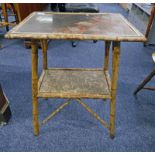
75, 83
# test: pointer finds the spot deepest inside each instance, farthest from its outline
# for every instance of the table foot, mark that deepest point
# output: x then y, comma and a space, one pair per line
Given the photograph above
36, 134
112, 136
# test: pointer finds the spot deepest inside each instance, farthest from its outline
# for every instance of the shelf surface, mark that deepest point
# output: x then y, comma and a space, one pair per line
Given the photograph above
74, 83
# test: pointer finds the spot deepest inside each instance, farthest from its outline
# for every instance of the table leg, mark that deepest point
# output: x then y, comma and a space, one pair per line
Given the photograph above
106, 57
44, 50
35, 87
5, 14
115, 68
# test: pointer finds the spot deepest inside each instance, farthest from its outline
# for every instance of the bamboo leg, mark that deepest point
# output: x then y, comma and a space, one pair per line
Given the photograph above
106, 57
35, 87
15, 12
5, 14
44, 47
44, 50
115, 68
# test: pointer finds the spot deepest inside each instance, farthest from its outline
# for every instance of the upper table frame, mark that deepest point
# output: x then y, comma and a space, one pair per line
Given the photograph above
76, 26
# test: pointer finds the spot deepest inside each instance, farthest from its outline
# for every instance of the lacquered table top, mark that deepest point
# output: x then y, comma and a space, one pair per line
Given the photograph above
99, 26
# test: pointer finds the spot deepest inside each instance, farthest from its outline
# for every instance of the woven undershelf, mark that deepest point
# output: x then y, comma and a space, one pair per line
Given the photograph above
74, 83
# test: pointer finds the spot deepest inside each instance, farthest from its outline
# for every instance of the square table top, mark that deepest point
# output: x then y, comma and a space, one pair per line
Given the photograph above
82, 26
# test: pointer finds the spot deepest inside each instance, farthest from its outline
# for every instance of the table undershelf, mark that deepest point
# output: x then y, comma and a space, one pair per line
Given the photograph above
74, 83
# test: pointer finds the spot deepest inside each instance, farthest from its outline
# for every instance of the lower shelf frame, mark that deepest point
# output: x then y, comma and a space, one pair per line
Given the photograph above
93, 83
